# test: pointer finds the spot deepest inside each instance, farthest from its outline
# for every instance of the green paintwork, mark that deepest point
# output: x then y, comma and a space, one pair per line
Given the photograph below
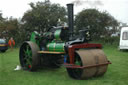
57, 34
77, 62
56, 47
28, 56
33, 36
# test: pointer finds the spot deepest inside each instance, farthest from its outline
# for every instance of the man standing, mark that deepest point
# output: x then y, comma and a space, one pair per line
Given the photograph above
11, 43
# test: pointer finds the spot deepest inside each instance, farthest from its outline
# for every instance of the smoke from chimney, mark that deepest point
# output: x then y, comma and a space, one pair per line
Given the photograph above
92, 3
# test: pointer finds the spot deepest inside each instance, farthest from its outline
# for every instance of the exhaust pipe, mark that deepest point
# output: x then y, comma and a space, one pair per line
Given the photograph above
70, 19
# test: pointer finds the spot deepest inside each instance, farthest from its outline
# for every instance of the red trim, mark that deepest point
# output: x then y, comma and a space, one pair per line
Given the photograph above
72, 48
29, 66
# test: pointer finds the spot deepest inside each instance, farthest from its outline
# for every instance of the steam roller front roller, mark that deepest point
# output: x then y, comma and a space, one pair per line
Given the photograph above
92, 62
29, 59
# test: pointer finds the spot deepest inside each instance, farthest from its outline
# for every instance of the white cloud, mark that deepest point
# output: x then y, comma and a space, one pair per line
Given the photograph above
117, 8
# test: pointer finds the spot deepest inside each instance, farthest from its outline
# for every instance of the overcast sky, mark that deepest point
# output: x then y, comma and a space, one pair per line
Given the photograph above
117, 8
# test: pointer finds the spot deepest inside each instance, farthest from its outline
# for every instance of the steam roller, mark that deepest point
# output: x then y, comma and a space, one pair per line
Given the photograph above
59, 46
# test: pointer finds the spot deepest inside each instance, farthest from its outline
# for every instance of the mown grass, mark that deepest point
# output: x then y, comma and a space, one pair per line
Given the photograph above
117, 73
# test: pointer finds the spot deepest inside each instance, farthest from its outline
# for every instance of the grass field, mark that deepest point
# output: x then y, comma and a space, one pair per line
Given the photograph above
117, 73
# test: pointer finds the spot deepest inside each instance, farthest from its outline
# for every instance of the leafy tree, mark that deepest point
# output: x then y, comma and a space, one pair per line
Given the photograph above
1, 24
1, 21
1, 18
9, 27
99, 23
42, 16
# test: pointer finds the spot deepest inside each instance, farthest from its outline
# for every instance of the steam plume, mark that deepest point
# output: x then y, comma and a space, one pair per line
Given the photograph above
91, 3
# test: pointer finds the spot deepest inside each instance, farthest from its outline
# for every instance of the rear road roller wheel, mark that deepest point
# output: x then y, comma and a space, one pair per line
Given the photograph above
88, 58
29, 56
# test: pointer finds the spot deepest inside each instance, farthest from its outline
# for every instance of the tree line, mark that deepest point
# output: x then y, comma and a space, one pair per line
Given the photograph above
44, 15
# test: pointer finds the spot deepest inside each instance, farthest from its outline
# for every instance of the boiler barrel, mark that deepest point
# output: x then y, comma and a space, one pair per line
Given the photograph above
55, 47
